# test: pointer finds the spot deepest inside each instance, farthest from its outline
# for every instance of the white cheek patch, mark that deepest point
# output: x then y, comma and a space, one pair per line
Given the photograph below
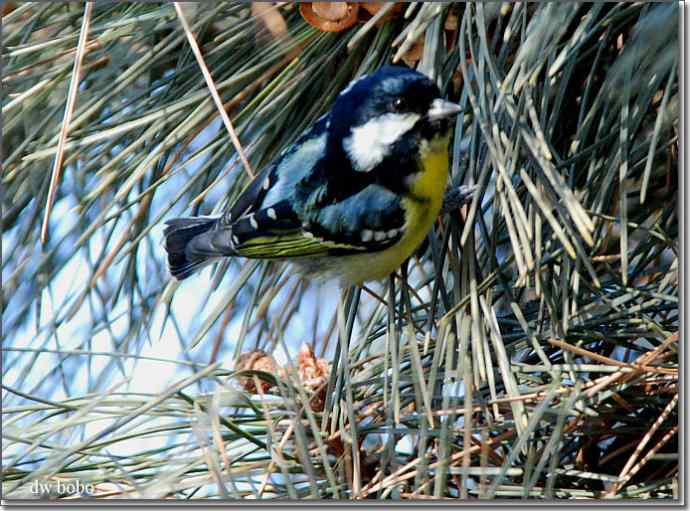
371, 142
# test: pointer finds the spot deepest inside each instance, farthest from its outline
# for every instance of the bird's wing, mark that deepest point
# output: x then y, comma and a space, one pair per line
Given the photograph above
277, 182
271, 220
369, 221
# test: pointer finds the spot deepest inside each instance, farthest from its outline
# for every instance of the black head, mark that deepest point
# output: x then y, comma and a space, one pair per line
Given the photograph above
375, 111
392, 89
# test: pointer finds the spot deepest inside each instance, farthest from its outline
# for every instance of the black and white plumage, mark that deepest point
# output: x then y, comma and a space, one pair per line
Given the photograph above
345, 189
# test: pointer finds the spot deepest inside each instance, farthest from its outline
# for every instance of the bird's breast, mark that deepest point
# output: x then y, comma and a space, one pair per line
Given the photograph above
422, 207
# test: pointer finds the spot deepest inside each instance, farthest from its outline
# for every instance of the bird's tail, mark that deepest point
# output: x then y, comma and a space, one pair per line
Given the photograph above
179, 233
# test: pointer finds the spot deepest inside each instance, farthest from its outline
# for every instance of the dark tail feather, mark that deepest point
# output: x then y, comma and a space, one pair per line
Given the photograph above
178, 234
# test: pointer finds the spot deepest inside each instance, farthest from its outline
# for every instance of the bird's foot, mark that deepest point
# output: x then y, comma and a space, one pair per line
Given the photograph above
457, 197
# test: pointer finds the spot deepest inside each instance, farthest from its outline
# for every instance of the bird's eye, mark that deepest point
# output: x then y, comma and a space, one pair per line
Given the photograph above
400, 104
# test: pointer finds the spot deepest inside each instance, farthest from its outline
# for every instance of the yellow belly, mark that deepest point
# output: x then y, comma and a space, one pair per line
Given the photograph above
421, 212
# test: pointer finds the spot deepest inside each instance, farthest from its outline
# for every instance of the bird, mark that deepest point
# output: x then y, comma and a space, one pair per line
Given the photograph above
351, 199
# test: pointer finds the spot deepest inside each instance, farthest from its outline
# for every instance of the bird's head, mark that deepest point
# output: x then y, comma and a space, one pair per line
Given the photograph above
389, 114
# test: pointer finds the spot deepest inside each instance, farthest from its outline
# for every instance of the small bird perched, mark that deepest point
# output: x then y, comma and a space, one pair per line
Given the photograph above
351, 199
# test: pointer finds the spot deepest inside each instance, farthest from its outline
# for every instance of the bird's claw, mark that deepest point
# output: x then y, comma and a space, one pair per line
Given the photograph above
457, 197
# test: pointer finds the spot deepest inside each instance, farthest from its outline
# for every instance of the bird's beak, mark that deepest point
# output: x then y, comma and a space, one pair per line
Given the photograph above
441, 108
